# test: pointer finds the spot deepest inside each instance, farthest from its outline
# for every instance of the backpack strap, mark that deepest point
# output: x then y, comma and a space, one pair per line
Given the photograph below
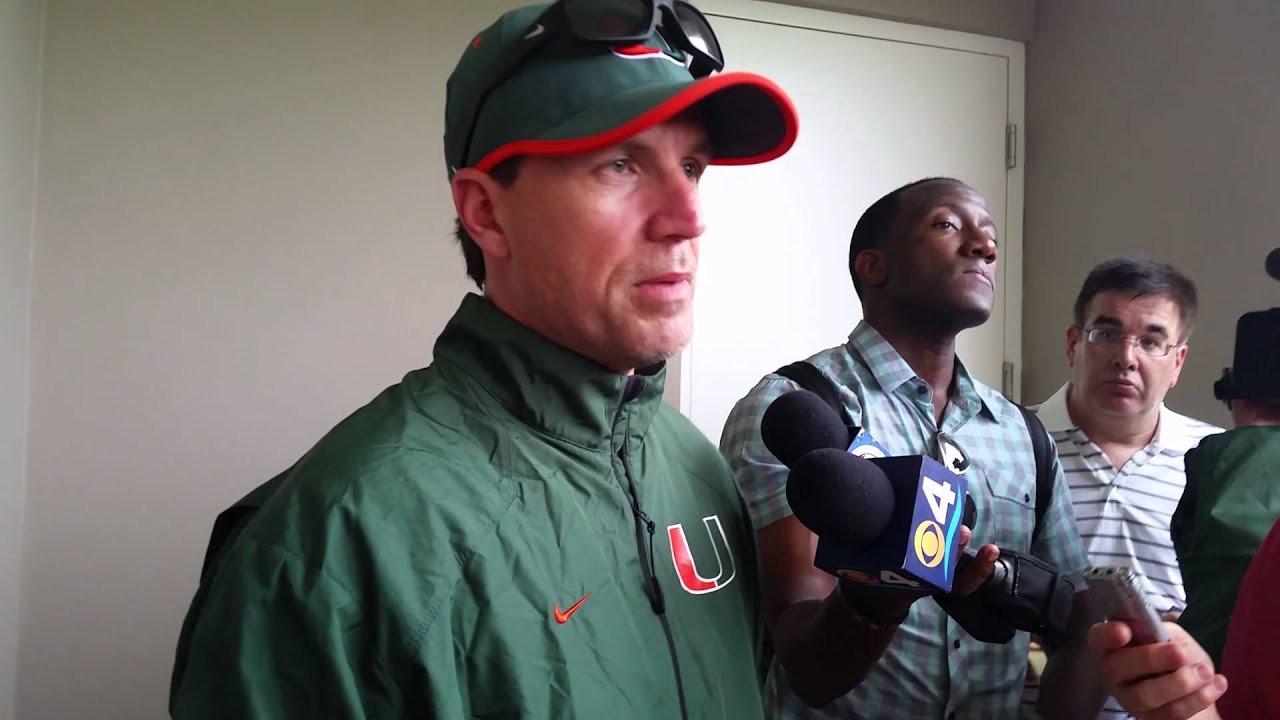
811, 378
1044, 467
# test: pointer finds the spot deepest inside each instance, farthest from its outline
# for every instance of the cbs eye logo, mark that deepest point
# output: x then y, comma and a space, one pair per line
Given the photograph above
865, 447
929, 541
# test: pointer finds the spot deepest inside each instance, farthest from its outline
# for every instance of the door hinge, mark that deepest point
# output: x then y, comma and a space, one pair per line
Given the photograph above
1011, 146
1006, 380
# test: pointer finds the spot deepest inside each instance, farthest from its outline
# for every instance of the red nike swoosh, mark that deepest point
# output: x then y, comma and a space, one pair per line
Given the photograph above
563, 617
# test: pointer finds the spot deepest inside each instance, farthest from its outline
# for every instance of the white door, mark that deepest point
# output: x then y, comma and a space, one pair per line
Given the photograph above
880, 104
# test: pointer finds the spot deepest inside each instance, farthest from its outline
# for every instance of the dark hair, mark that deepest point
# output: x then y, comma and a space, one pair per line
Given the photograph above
878, 221
1140, 276
504, 173
1267, 409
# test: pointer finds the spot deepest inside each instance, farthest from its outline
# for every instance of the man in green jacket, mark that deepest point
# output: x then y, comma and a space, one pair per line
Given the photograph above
1233, 484
523, 528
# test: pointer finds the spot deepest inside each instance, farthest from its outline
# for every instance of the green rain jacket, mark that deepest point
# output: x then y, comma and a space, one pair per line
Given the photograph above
512, 532
1230, 503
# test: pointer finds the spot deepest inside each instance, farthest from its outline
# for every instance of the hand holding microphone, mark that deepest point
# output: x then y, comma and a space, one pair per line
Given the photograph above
888, 541
895, 534
889, 529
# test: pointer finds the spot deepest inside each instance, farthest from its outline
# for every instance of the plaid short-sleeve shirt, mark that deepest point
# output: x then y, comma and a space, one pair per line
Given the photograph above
932, 668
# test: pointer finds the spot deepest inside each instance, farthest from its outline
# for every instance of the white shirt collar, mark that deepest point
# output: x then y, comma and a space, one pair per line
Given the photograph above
1173, 431
1053, 412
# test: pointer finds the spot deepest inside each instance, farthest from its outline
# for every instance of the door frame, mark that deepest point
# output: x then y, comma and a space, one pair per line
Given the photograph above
1011, 226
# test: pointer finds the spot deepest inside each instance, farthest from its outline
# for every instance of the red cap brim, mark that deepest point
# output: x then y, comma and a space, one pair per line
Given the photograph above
758, 124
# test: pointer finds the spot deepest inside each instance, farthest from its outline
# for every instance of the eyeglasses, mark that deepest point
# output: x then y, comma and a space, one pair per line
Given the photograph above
611, 22
1151, 345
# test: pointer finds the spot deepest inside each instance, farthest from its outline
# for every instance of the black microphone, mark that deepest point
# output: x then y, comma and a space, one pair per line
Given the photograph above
888, 523
798, 422
863, 512
1273, 263
840, 497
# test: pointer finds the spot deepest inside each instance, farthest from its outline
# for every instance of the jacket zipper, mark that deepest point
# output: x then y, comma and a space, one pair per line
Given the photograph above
653, 589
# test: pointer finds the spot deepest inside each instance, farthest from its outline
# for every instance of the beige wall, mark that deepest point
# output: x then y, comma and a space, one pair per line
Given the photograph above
1151, 128
243, 235
19, 111
1013, 19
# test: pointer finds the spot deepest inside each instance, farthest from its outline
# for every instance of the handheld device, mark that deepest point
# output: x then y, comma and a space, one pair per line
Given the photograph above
1114, 594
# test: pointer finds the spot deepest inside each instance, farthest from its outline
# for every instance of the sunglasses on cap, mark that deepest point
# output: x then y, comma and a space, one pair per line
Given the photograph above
606, 22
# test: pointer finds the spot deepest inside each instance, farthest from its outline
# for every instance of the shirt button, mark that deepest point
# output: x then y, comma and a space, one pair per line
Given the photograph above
922, 390
956, 645
1026, 497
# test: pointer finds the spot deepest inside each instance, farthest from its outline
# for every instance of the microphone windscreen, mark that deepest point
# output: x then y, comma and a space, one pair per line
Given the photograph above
1273, 263
840, 496
799, 422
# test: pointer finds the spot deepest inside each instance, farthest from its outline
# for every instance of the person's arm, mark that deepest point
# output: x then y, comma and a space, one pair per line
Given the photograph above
1069, 687
1253, 636
276, 639
826, 644
823, 645
1159, 681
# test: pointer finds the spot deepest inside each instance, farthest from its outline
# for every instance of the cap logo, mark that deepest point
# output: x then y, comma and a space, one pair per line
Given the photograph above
642, 52
535, 32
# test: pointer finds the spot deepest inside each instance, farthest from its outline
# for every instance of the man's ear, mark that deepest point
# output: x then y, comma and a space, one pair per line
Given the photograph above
1179, 357
476, 197
1073, 338
871, 267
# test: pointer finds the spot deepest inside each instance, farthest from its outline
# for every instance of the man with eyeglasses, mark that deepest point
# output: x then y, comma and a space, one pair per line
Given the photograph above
923, 262
1121, 448
523, 528
1228, 544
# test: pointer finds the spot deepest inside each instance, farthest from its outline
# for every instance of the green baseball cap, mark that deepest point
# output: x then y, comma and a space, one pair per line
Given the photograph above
572, 97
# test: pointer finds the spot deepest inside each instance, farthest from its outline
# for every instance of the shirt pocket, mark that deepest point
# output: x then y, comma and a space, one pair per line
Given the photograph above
1008, 515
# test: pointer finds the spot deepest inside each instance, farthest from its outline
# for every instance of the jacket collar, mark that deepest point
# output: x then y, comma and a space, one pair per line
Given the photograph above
544, 385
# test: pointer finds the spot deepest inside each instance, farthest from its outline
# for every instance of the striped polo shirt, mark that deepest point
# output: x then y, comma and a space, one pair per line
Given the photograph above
1123, 515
